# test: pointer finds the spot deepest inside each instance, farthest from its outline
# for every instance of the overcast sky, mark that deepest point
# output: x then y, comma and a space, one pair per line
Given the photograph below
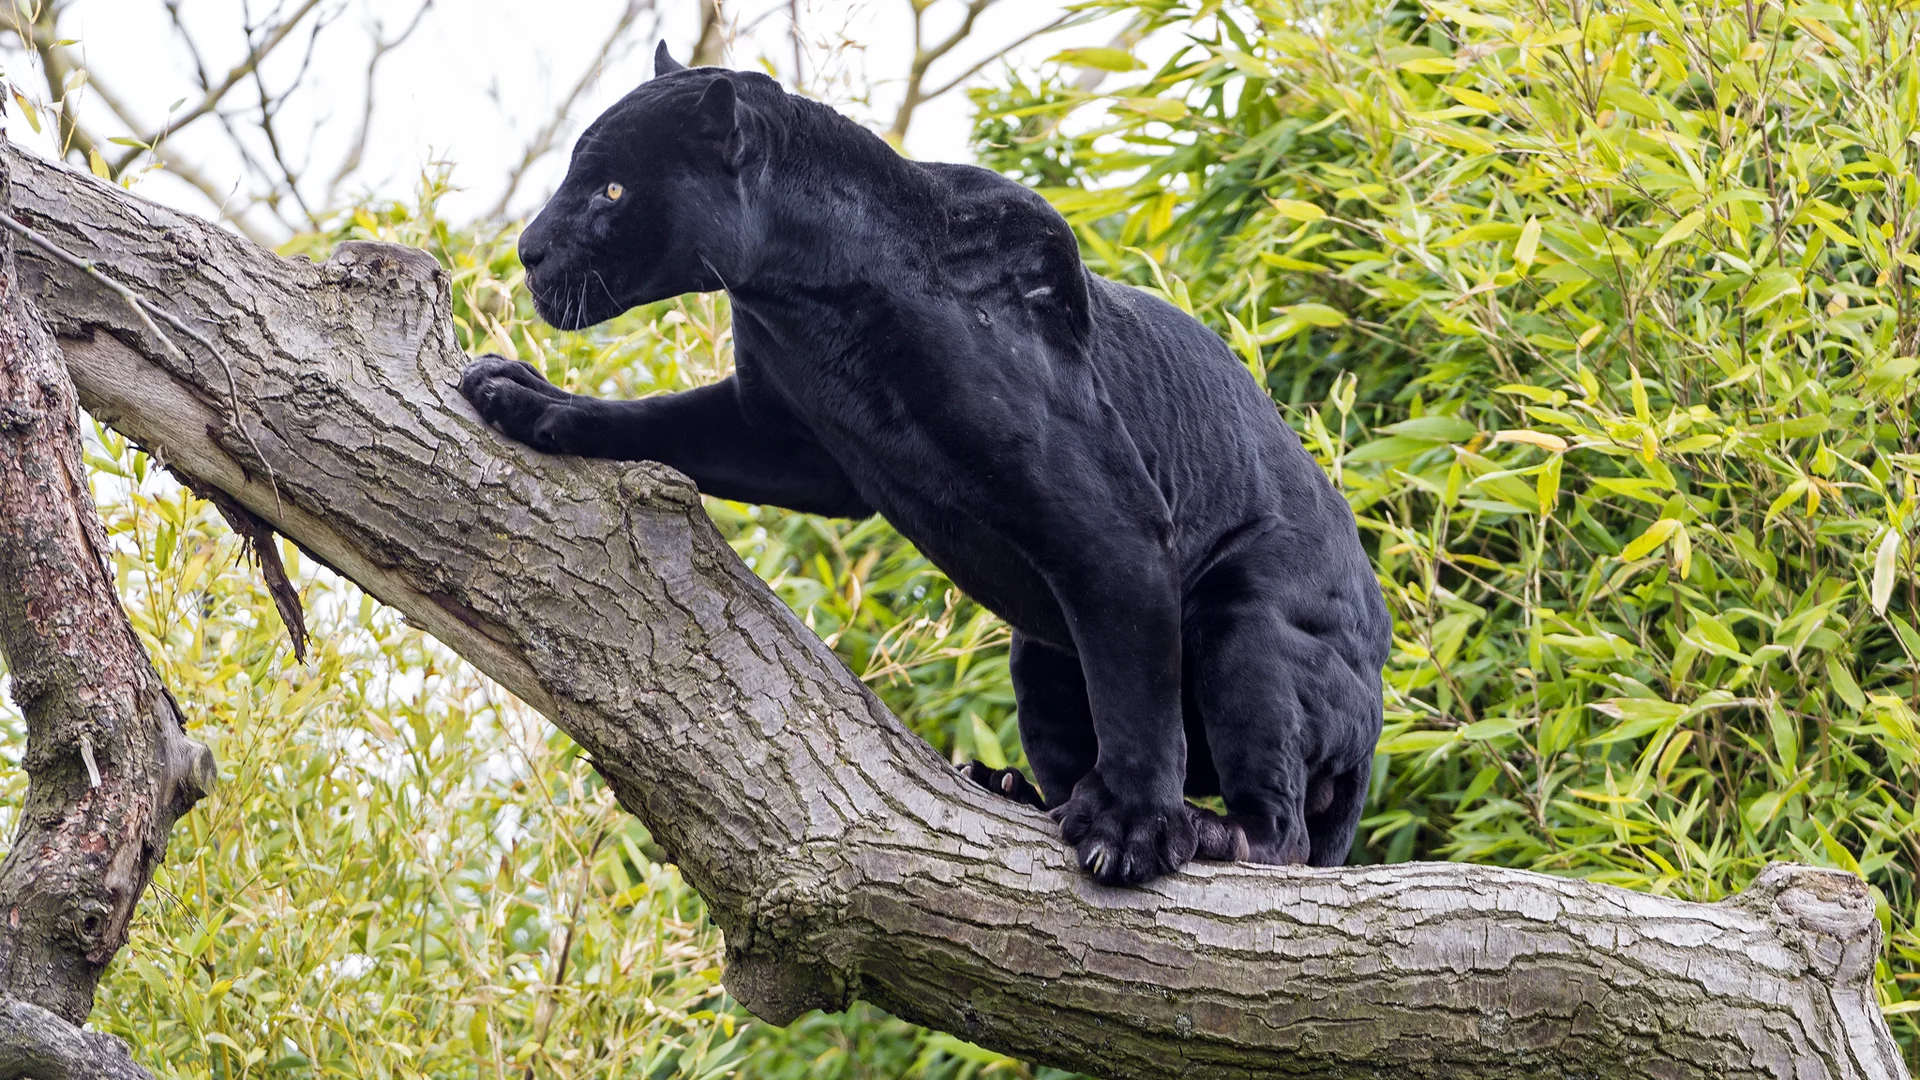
479, 77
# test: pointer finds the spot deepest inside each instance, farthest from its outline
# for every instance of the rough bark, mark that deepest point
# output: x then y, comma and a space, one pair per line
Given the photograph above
108, 762
841, 856
37, 1044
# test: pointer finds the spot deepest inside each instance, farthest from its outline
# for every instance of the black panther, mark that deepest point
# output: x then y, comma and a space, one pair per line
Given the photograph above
1192, 610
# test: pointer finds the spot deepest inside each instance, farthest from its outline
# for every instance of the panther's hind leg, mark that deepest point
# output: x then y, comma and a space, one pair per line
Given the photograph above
1056, 723
1330, 830
1011, 783
1275, 671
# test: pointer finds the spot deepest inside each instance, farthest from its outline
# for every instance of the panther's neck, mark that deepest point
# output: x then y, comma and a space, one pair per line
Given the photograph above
827, 196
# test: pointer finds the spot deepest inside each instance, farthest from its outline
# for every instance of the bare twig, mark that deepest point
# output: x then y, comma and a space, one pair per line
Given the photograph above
39, 31
544, 140
543, 1012
976, 69
712, 46
925, 56
184, 170
270, 105
382, 45
798, 78
213, 96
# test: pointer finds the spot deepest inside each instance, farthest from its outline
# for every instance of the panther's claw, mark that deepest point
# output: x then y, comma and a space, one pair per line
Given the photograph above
1009, 783
1125, 843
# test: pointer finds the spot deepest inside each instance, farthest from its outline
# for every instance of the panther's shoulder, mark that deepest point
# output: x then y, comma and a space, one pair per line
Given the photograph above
1008, 251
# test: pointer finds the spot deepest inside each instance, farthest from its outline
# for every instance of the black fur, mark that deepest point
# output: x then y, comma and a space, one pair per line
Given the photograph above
1192, 610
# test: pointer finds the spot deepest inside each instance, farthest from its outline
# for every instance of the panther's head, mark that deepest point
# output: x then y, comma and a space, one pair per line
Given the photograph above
651, 204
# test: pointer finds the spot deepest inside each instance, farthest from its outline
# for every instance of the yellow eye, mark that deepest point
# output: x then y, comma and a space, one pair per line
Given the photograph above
614, 191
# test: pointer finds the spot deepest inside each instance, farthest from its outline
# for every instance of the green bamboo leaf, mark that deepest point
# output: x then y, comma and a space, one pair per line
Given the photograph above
1713, 636
1644, 544
1884, 561
1843, 682
1100, 59
1786, 737
1639, 717
1680, 230
1315, 314
1908, 636
1841, 857
1392, 448
1437, 428
986, 743
1547, 487
1770, 287
1528, 245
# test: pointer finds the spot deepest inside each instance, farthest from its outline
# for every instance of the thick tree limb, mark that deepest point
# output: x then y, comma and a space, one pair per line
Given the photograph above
109, 765
840, 855
37, 1045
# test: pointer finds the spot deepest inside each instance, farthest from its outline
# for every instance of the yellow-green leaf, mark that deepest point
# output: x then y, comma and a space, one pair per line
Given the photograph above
1541, 439
1158, 108
1525, 248
1884, 562
1843, 682
1680, 230
27, 110
1770, 287
986, 744
1100, 59
1644, 544
1297, 210
1315, 314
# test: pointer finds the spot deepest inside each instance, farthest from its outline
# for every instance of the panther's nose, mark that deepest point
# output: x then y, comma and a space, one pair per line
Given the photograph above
532, 255
534, 247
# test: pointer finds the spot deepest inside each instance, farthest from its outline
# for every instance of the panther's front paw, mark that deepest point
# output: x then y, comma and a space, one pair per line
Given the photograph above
1125, 843
1011, 783
513, 397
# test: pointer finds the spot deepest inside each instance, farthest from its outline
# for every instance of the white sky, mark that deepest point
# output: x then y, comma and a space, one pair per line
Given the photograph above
479, 77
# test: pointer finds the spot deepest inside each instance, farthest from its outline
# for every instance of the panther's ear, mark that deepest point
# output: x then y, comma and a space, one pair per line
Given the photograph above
664, 63
716, 117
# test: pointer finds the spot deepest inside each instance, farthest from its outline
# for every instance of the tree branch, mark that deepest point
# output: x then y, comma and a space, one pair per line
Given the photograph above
924, 57
109, 765
1044, 28
840, 855
710, 49
37, 1045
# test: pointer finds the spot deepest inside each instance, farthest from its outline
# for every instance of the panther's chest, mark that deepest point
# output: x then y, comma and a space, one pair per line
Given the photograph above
933, 458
